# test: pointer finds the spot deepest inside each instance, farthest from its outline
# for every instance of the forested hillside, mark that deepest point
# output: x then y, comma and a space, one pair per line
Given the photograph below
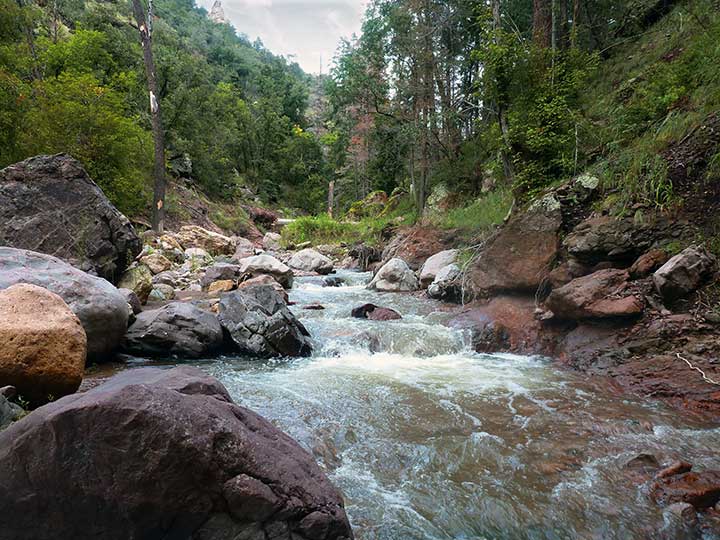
509, 97
72, 80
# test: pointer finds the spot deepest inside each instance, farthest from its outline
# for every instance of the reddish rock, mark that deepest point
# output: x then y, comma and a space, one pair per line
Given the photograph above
158, 453
504, 324
521, 254
647, 263
262, 216
702, 490
375, 313
559, 276
415, 246
677, 467
600, 295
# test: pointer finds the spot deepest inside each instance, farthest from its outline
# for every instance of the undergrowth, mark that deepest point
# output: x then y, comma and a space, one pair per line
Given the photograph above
480, 215
647, 98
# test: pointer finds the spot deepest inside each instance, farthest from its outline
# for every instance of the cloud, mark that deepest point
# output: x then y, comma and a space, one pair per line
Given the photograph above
304, 30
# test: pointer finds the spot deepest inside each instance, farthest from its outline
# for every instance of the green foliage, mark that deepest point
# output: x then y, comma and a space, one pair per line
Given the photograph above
75, 114
479, 216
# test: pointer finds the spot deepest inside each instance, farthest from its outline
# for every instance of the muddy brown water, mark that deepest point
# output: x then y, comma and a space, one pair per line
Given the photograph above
429, 440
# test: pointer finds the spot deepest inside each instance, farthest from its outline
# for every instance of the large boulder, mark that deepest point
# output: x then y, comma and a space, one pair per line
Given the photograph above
685, 272
243, 248
156, 262
258, 265
434, 264
176, 329
311, 260
271, 241
193, 236
264, 279
621, 240
158, 453
601, 295
260, 324
138, 279
220, 272
415, 245
49, 204
42, 343
394, 276
101, 308
521, 254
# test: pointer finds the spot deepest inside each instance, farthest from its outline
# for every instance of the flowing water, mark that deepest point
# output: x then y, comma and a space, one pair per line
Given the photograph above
429, 440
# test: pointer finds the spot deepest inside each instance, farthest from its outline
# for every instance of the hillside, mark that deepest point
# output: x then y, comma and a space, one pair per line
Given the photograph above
72, 80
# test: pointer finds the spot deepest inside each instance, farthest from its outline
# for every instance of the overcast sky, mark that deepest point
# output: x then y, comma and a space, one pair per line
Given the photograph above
307, 29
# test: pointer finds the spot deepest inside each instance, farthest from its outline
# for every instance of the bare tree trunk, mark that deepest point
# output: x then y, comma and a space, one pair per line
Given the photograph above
501, 112
145, 29
331, 197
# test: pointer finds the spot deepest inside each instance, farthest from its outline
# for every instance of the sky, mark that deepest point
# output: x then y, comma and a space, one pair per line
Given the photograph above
302, 30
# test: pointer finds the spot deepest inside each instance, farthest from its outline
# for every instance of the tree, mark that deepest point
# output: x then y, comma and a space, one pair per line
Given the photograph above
145, 29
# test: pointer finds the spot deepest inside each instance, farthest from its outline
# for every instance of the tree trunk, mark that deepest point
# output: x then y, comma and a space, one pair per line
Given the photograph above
331, 197
542, 23
501, 107
575, 17
145, 29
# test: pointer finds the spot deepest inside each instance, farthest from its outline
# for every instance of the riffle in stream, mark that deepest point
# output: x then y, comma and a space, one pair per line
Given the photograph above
429, 440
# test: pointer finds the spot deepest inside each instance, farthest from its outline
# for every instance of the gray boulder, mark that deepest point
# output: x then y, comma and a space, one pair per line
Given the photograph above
160, 453
49, 204
685, 272
260, 324
434, 264
311, 260
271, 241
394, 276
220, 271
266, 264
176, 329
446, 284
101, 308
9, 412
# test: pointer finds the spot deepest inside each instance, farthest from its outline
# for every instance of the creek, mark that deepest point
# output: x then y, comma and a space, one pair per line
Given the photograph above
430, 440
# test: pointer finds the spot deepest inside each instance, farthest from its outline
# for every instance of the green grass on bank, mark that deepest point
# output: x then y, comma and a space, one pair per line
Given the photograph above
322, 229
481, 215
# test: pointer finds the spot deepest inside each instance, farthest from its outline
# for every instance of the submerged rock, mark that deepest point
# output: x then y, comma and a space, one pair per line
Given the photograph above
260, 324
42, 343
176, 329
157, 453
394, 276
702, 490
375, 313
101, 308
49, 204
